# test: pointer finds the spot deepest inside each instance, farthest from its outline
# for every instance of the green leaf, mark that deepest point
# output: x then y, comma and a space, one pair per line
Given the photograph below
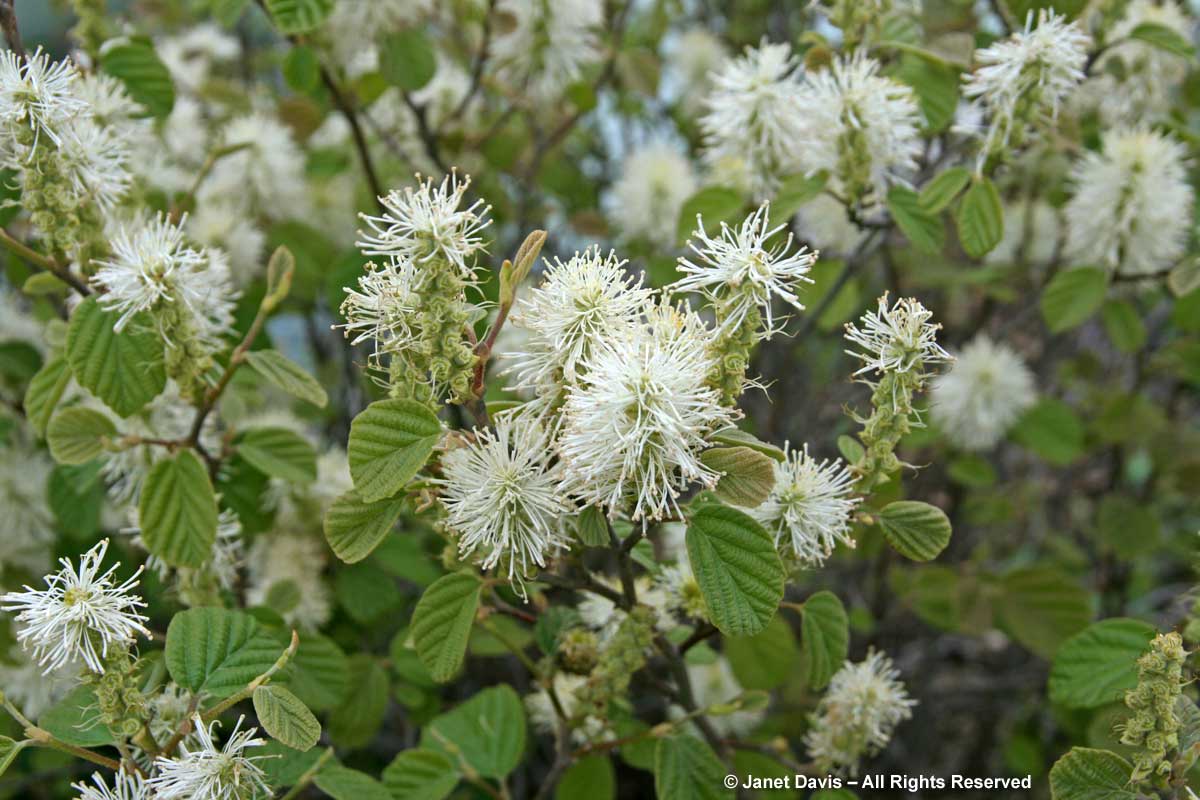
318, 673
747, 476
824, 638
1072, 297
45, 390
737, 567
287, 375
1051, 429
146, 77
301, 69
389, 443
356, 720
280, 453
125, 369
298, 16
916, 530
407, 59
354, 528
218, 651
228, 12
343, 783
1163, 38
1097, 665
1041, 607
420, 774
972, 471
76, 719
177, 511
980, 218
488, 730
285, 717
764, 661
922, 227
9, 750
794, 192
941, 190
736, 437
367, 592
589, 778
77, 435
76, 495
593, 527
1123, 325
686, 768
715, 204
1086, 774
936, 86
441, 623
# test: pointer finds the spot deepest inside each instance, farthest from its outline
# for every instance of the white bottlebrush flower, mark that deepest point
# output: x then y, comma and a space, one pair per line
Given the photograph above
754, 116
37, 99
151, 265
601, 614
982, 395
655, 182
204, 772
586, 300
634, 427
96, 160
296, 558
426, 223
899, 338
860, 127
546, 46
809, 510
1132, 206
680, 590
502, 497
381, 309
354, 23
1026, 77
108, 102
126, 786
739, 272
267, 173
80, 615
1148, 74
858, 714
824, 223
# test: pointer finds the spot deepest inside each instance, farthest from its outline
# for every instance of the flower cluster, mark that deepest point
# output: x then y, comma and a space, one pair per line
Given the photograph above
414, 307
982, 395
83, 614
1023, 80
1132, 207
548, 45
858, 714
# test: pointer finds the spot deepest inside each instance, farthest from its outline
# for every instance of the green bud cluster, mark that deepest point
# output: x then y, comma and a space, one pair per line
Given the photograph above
1154, 726
624, 655
68, 223
730, 351
854, 161
442, 361
891, 419
119, 695
188, 360
579, 650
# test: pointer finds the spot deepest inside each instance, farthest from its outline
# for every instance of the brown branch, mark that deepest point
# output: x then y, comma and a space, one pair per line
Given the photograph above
42, 262
8, 23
